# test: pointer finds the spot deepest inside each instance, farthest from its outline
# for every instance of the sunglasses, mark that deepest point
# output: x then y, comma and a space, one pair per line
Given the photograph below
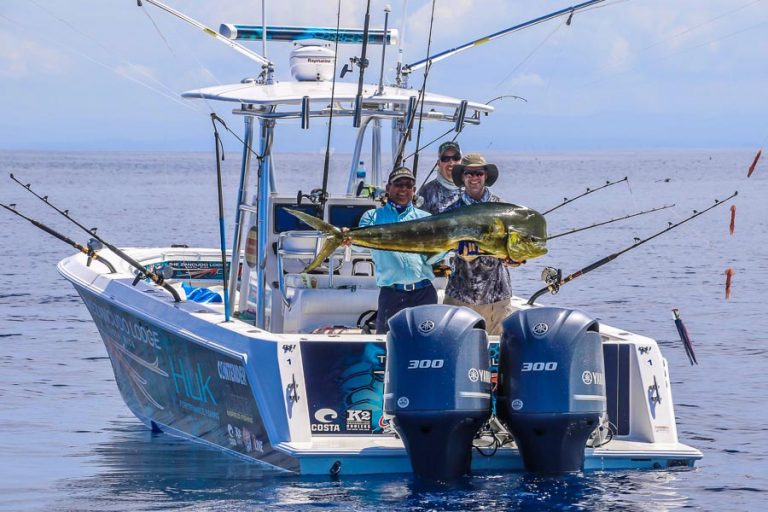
455, 158
474, 173
403, 184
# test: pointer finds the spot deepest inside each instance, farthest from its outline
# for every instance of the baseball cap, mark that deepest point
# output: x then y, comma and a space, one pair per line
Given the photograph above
445, 146
401, 172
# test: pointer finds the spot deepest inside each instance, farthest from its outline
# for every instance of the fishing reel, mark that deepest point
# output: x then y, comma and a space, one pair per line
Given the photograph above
316, 196
552, 277
370, 191
94, 246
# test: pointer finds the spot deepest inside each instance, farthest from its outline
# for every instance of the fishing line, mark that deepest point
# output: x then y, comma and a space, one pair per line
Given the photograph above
527, 57
168, 92
603, 223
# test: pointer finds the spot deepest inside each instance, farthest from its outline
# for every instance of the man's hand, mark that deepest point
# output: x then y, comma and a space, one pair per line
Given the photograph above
468, 250
346, 241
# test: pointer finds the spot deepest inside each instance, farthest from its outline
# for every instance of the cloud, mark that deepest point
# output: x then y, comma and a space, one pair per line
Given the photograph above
21, 59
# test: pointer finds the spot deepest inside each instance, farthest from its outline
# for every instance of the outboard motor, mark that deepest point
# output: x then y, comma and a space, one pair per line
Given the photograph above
551, 385
437, 386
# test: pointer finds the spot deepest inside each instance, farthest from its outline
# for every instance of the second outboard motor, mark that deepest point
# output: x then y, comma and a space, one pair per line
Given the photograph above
551, 385
437, 386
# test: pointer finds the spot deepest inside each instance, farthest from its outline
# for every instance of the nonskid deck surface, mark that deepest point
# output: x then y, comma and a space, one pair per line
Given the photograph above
297, 365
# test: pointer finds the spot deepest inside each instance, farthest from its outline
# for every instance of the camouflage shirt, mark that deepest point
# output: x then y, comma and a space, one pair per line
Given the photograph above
483, 280
437, 197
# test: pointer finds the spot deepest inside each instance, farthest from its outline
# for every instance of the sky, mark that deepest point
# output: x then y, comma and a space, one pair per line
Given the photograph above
632, 74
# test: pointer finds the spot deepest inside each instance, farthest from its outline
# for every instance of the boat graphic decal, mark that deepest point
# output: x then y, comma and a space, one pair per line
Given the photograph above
348, 379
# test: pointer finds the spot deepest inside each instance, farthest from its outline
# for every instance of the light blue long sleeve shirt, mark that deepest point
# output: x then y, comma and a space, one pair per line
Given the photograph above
397, 267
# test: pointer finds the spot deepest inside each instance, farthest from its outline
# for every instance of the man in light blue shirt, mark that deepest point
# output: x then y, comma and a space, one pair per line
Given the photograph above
404, 279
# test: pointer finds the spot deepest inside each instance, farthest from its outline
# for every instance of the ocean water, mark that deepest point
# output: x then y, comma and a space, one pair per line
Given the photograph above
67, 441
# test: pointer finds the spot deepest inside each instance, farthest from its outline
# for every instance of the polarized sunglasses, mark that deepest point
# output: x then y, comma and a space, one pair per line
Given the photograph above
475, 173
455, 158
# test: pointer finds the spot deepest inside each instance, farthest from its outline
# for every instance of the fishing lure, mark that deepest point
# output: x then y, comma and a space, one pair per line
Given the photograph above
754, 163
732, 227
729, 273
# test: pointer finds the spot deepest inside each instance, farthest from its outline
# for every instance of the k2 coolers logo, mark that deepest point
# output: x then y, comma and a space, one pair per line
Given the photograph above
359, 420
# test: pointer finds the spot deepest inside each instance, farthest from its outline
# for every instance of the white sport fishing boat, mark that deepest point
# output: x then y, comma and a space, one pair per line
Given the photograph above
283, 370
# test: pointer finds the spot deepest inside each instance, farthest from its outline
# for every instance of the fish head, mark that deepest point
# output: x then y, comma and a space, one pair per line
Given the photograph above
526, 234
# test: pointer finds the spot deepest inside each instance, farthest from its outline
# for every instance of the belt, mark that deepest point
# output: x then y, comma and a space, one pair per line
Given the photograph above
410, 286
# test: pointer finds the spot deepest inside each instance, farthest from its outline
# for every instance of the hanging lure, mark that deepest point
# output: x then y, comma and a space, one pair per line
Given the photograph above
684, 337
754, 163
732, 227
729, 273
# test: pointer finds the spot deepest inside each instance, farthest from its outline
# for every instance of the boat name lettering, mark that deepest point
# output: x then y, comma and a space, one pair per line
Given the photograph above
125, 325
325, 427
539, 366
421, 364
192, 383
232, 372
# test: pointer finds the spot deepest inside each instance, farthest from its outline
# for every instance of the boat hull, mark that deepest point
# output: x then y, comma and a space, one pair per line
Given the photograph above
312, 404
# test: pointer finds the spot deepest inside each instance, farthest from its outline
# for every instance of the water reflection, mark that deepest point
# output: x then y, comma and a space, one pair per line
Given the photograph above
141, 470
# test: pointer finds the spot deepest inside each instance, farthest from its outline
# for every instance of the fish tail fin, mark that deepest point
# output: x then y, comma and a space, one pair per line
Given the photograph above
332, 242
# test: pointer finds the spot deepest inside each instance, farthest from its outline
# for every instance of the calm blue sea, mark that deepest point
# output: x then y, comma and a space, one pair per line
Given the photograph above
67, 441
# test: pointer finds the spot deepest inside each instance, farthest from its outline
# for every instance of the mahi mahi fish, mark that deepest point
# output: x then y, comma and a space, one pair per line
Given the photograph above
505, 231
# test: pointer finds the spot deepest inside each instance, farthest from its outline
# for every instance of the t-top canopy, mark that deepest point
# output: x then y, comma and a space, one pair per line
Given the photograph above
292, 93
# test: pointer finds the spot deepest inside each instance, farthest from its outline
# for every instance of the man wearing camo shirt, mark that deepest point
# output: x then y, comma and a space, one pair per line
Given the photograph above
440, 192
481, 283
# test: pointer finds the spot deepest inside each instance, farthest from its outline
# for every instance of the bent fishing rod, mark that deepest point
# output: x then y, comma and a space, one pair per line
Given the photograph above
89, 251
553, 277
597, 224
143, 272
583, 194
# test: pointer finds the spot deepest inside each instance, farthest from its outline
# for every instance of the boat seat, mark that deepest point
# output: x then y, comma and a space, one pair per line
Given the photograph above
311, 308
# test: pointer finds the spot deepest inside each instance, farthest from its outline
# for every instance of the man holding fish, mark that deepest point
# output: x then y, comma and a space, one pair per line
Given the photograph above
405, 242
404, 278
481, 283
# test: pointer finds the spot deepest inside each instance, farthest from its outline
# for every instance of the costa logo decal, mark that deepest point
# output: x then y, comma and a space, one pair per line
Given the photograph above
426, 326
325, 415
540, 329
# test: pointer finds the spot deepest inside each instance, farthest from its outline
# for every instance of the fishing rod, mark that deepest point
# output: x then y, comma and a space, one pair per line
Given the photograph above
553, 277
89, 251
362, 63
588, 191
143, 272
409, 68
637, 214
222, 232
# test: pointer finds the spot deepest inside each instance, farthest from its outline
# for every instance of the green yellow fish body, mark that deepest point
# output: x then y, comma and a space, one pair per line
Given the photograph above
499, 229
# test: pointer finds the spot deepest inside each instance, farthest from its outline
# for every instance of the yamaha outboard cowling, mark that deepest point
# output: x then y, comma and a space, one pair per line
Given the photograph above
552, 385
437, 386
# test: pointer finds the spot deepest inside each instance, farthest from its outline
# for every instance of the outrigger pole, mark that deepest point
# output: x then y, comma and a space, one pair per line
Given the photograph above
554, 278
408, 68
207, 30
88, 251
143, 272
